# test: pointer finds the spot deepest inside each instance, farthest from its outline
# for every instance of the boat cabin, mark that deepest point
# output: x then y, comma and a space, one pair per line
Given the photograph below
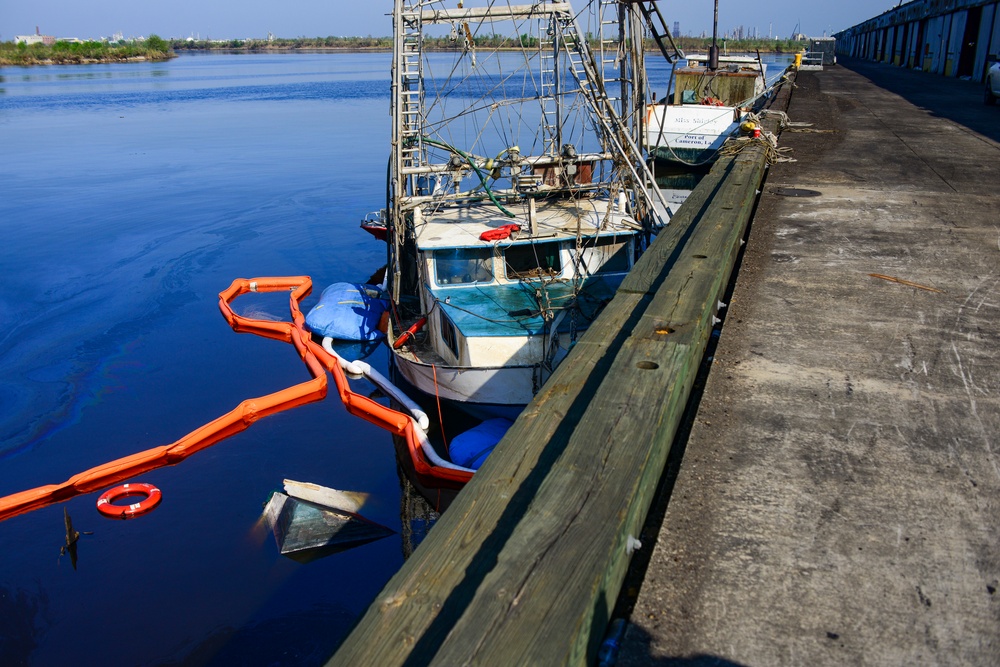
484, 298
738, 79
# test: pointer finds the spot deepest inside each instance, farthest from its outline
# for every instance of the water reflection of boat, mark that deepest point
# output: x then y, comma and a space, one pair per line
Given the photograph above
707, 107
518, 195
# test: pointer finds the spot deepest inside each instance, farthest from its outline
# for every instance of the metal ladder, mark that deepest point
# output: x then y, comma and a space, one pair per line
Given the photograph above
658, 29
561, 35
611, 57
566, 40
583, 67
549, 84
409, 82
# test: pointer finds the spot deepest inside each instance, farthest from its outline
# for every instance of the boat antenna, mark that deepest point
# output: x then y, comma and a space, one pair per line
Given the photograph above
713, 51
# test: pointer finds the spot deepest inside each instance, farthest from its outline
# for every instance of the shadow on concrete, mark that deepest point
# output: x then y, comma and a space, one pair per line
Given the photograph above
946, 97
635, 656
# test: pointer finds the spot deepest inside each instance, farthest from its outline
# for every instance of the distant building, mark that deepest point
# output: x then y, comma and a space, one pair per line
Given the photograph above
37, 38
825, 48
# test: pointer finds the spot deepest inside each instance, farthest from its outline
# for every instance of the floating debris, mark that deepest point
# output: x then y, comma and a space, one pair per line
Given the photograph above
310, 527
72, 537
348, 501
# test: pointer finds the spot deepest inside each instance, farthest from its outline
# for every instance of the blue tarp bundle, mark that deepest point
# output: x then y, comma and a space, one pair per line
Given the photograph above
471, 448
348, 311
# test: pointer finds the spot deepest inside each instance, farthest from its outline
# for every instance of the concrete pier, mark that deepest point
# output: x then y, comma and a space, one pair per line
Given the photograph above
838, 501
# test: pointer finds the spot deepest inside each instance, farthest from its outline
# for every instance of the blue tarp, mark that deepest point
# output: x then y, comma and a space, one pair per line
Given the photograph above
471, 448
348, 311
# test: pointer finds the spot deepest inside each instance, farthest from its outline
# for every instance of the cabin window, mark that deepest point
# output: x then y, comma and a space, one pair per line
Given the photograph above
533, 260
448, 334
462, 266
609, 255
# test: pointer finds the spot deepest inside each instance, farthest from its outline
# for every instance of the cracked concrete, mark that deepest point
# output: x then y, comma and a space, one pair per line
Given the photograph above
839, 498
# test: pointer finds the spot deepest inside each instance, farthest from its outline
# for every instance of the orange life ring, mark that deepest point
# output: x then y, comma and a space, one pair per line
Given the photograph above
152, 499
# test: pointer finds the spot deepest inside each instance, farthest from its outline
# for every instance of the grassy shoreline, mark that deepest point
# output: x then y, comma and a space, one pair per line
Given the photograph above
155, 48
369, 43
81, 53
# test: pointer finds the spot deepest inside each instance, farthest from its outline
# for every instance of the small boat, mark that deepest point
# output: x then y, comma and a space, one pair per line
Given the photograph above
708, 106
375, 225
519, 197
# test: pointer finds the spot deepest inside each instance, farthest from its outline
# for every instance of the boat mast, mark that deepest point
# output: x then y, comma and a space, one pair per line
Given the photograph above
713, 51
568, 68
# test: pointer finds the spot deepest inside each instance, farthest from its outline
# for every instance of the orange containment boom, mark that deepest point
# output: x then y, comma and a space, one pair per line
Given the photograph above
316, 359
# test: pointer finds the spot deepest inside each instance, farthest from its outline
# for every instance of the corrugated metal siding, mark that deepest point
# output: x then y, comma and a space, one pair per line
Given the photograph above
929, 34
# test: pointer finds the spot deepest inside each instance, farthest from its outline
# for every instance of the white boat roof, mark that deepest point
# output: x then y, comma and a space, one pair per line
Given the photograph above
741, 60
461, 226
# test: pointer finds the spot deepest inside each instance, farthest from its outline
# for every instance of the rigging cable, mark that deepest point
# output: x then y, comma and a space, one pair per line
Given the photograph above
472, 163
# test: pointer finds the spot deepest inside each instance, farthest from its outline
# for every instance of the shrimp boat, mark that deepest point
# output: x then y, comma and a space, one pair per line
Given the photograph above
518, 195
711, 99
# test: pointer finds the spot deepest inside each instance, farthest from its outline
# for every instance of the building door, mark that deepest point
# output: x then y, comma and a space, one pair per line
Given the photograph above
905, 47
919, 48
967, 56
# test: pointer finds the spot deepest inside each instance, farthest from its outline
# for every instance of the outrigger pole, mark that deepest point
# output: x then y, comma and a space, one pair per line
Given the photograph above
713, 51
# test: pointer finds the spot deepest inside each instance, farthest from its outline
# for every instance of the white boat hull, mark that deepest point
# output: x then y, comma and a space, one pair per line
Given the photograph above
689, 133
500, 391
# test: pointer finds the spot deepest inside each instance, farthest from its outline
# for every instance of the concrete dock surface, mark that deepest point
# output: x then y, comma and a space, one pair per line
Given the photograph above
838, 501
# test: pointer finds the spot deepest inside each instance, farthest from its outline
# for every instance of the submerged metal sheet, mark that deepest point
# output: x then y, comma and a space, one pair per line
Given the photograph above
304, 530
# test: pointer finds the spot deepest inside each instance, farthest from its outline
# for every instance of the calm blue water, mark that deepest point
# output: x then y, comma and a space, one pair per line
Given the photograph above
130, 196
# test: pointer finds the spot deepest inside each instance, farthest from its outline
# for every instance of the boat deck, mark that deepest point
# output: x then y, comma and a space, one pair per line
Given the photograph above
838, 501
461, 226
514, 310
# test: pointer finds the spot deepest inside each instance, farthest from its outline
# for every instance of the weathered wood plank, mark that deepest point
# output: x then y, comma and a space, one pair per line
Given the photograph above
525, 566
597, 495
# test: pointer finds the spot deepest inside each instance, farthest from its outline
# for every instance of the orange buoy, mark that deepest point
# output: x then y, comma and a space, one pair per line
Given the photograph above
151, 500
406, 335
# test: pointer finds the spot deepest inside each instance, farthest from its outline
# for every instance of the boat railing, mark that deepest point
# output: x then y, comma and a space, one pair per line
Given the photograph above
812, 60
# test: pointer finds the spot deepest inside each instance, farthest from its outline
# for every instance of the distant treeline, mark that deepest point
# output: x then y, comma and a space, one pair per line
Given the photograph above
66, 53
156, 48
687, 44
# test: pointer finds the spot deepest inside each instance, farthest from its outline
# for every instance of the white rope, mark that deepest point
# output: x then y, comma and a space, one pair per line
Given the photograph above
773, 154
358, 367
418, 417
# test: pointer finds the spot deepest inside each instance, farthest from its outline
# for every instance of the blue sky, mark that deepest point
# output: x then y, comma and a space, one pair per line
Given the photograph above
235, 19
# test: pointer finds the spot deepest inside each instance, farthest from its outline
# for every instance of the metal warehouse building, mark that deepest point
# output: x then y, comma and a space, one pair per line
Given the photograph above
949, 37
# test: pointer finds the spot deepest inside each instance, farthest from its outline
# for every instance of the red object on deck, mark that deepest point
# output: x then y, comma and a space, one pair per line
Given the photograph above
406, 335
500, 233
